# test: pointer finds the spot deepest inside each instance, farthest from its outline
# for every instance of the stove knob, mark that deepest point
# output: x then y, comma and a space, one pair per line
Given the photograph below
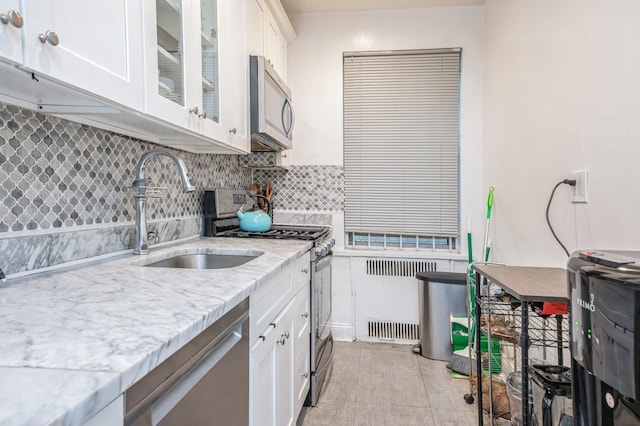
325, 250
318, 250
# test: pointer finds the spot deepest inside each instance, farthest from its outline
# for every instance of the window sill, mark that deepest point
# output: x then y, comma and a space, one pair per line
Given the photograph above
400, 254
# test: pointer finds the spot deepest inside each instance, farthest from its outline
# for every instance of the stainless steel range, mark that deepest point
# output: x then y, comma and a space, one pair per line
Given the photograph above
220, 206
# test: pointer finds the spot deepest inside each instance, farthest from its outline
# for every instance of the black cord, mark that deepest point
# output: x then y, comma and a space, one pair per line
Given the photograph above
571, 182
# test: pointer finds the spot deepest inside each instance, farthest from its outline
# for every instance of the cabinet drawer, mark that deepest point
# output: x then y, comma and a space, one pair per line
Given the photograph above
273, 296
300, 274
268, 301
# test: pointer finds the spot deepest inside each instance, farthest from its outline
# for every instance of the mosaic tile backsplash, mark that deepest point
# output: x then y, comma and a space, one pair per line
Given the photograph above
314, 188
58, 174
65, 190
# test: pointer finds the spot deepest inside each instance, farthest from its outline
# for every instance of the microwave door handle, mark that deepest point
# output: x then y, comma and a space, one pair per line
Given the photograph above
293, 118
287, 131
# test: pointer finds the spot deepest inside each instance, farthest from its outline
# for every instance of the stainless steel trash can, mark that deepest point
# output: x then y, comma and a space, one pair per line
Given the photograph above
441, 294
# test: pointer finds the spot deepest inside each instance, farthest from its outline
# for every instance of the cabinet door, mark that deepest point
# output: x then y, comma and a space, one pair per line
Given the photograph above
208, 67
111, 415
284, 367
282, 57
271, 44
166, 48
256, 13
236, 74
94, 46
263, 394
10, 40
302, 347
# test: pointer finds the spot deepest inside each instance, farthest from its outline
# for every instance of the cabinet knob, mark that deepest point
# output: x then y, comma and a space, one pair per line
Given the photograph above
284, 155
233, 131
282, 340
286, 335
203, 114
194, 110
305, 271
305, 315
12, 17
49, 36
305, 375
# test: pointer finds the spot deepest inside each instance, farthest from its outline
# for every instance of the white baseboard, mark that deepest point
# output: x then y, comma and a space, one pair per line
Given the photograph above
342, 331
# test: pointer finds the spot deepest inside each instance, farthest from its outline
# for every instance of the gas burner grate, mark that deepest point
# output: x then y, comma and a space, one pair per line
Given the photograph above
281, 232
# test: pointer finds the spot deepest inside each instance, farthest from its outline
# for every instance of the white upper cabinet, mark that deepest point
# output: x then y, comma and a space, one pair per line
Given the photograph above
11, 22
270, 33
175, 72
235, 94
256, 16
92, 46
195, 67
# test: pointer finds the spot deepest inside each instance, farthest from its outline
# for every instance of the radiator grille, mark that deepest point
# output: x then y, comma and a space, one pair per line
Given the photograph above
398, 268
389, 330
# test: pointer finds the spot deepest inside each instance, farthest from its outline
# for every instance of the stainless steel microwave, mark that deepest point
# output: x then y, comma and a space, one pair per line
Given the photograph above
272, 114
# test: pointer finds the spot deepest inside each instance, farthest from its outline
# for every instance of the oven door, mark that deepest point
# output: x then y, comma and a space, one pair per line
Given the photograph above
323, 296
322, 340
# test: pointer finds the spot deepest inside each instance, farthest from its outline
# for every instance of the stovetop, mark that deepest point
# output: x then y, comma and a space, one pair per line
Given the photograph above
285, 232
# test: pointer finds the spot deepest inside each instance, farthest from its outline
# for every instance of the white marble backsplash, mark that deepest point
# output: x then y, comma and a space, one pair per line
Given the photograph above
302, 218
38, 251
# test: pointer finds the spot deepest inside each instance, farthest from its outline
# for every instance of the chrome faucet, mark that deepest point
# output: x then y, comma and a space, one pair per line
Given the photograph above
140, 193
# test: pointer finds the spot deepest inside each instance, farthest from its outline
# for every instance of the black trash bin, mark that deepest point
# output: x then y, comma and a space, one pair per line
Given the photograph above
441, 294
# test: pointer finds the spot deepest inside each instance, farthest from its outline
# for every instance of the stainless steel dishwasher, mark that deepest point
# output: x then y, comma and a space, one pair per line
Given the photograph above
206, 383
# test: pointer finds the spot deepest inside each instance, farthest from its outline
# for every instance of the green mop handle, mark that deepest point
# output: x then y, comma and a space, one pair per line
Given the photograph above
469, 241
485, 252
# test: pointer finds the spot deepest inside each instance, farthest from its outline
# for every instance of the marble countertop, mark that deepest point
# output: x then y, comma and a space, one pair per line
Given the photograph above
72, 341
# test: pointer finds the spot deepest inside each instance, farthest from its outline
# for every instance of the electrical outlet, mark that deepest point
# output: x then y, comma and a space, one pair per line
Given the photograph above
581, 190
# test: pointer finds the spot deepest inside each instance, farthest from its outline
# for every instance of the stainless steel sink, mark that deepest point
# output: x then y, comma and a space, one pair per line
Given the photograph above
204, 261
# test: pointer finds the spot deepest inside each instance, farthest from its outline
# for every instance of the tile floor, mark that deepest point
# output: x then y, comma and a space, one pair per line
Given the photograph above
378, 384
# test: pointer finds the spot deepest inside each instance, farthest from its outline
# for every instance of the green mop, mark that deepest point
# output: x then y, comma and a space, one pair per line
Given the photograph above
460, 361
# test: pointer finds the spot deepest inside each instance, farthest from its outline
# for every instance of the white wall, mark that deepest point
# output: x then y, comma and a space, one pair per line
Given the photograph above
562, 92
315, 78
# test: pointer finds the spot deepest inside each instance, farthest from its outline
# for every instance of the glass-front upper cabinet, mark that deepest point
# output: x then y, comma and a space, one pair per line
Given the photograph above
170, 48
210, 60
189, 49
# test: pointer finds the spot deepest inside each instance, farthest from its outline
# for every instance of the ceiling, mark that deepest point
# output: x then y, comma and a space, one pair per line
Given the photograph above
321, 6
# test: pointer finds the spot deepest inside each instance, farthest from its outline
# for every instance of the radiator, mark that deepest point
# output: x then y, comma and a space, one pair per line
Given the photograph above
385, 291
398, 268
393, 331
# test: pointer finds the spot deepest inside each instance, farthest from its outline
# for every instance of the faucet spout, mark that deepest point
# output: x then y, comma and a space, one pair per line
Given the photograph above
141, 243
186, 184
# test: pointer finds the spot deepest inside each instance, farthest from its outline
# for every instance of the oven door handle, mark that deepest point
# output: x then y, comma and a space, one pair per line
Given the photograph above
326, 364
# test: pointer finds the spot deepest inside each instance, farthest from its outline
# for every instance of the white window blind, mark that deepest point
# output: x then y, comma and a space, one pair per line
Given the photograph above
401, 138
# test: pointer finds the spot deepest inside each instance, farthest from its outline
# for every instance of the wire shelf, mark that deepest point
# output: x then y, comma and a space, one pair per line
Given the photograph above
544, 331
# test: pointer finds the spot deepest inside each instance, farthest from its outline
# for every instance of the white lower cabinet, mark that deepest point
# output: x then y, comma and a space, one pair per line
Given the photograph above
279, 358
111, 415
301, 344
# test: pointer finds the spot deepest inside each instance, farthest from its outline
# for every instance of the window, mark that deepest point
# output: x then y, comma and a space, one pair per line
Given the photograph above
401, 149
